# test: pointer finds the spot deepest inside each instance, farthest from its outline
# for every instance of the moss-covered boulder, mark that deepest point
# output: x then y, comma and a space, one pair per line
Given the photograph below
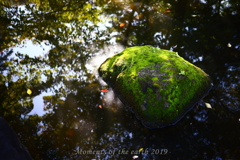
158, 85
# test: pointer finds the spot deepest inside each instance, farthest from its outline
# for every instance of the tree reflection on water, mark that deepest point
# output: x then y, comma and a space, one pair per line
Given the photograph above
78, 117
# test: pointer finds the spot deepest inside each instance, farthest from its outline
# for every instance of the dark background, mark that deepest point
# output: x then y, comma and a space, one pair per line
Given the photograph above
206, 33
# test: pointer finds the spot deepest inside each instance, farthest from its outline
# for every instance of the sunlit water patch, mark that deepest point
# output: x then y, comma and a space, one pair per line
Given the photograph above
102, 55
108, 97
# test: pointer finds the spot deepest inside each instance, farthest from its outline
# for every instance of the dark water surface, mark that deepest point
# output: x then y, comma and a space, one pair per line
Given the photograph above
83, 120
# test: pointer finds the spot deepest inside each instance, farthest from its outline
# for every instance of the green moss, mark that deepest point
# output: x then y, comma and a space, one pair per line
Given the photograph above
155, 79
158, 85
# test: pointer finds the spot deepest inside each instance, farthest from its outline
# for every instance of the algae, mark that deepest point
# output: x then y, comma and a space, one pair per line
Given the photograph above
158, 85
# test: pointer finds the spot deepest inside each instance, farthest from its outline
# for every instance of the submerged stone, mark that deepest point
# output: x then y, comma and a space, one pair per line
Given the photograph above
158, 85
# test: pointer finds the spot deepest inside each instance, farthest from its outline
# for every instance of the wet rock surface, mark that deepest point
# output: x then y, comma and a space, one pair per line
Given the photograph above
158, 85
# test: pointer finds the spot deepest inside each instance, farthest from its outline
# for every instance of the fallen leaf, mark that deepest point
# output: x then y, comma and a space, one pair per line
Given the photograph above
182, 73
167, 11
122, 24
29, 91
194, 15
104, 90
208, 105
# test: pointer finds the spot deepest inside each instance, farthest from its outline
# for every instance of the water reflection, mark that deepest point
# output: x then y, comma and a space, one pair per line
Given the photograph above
200, 31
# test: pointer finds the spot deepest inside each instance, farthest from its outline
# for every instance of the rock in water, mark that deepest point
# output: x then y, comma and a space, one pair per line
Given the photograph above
158, 85
11, 148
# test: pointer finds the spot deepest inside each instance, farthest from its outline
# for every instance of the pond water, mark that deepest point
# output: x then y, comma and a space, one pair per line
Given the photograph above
77, 114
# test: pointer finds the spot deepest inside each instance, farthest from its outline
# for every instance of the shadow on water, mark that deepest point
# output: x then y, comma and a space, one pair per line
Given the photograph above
83, 119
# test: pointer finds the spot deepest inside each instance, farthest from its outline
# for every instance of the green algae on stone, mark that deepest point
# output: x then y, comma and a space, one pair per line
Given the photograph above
158, 85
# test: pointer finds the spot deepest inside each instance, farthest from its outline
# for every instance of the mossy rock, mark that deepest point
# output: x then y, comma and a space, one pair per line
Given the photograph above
158, 85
